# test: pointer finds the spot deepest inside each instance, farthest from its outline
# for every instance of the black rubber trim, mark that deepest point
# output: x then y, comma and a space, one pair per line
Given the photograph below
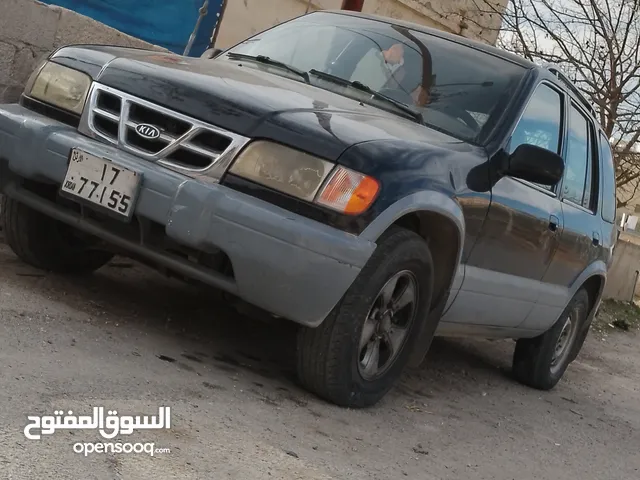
347, 223
50, 111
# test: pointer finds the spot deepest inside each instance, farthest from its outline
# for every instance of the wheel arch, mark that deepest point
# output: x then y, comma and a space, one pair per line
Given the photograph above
438, 219
438, 231
593, 279
594, 286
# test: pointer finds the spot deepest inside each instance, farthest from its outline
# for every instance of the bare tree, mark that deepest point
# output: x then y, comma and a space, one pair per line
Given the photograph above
596, 43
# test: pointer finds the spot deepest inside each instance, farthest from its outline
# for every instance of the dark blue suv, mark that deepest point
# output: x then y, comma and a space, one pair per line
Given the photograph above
375, 182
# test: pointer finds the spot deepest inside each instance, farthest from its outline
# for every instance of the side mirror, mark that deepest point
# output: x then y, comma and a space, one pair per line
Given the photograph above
211, 53
535, 164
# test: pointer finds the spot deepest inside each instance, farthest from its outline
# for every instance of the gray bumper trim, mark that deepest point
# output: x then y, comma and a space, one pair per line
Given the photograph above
284, 263
179, 266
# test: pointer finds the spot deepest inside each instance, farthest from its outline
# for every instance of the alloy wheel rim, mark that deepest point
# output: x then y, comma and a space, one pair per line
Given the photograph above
387, 325
564, 342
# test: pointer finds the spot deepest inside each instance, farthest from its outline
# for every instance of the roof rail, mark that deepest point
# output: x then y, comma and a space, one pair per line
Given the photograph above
569, 84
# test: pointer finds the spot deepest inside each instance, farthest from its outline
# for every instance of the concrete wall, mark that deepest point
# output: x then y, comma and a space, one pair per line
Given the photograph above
474, 19
621, 276
29, 30
244, 18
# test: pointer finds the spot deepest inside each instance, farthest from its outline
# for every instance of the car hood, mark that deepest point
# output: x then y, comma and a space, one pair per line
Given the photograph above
251, 100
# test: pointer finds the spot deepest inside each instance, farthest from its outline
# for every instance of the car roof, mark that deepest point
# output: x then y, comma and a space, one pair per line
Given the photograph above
439, 33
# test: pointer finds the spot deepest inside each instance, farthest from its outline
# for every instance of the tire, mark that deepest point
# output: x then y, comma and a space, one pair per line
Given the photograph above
331, 363
536, 361
48, 244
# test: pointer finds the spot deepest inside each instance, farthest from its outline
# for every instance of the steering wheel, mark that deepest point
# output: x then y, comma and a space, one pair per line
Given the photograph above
468, 119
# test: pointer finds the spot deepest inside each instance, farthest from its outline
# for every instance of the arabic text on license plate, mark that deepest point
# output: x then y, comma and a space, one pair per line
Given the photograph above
101, 182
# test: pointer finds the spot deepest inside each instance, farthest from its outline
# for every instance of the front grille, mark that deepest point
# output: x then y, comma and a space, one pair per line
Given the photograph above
184, 143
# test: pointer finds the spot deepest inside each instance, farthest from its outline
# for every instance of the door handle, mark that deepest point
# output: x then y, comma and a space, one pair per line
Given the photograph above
553, 223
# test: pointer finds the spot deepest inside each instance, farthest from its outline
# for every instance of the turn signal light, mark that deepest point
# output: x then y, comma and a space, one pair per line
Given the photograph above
348, 192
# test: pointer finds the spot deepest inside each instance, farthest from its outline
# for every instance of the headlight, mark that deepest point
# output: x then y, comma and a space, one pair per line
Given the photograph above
60, 86
306, 177
275, 166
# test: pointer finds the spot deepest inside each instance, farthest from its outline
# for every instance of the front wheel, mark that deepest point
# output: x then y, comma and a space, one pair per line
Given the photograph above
360, 350
540, 362
48, 244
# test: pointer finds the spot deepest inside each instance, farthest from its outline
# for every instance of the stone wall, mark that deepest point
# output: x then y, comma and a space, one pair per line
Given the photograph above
29, 30
477, 19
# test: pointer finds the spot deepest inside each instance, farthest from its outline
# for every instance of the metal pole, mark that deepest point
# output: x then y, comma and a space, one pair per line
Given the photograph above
353, 5
223, 7
202, 13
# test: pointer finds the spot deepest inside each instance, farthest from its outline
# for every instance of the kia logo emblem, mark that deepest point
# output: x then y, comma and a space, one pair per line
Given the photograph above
148, 131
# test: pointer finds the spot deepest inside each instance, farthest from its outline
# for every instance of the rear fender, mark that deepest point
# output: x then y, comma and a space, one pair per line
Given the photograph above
596, 269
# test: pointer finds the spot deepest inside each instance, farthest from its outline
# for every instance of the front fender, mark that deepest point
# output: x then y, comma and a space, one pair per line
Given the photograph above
430, 201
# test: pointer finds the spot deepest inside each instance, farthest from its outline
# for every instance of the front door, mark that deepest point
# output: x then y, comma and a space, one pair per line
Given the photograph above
581, 240
504, 271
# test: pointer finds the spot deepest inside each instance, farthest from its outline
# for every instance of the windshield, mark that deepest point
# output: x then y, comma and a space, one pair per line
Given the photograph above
454, 88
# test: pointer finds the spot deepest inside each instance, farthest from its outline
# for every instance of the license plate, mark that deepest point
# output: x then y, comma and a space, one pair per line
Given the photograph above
101, 182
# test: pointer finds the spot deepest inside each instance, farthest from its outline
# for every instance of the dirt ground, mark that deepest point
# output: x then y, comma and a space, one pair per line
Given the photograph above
130, 339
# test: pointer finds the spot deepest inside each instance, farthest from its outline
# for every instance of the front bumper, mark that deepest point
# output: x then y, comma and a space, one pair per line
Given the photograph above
282, 262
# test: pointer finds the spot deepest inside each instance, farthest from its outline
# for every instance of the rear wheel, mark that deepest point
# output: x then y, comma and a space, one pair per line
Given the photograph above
48, 244
360, 350
540, 362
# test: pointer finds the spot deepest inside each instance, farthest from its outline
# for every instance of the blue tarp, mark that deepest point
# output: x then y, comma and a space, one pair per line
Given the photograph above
167, 23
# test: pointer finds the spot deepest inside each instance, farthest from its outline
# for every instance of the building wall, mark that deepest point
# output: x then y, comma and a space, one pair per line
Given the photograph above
626, 261
29, 30
475, 19
244, 18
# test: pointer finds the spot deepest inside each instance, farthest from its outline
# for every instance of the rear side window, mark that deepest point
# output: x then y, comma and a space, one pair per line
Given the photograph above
579, 172
609, 182
541, 121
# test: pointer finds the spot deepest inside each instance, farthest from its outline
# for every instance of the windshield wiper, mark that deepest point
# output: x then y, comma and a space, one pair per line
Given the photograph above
417, 116
270, 61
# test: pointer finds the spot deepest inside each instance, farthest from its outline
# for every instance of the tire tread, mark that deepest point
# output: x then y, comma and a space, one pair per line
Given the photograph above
36, 240
319, 350
532, 356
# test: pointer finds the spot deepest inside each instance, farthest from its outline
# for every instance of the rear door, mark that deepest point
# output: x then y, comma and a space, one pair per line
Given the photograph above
504, 272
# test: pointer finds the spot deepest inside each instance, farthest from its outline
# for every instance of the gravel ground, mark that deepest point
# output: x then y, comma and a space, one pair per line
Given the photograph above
129, 339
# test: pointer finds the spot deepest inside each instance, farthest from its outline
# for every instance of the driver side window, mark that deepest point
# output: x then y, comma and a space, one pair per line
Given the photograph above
541, 121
